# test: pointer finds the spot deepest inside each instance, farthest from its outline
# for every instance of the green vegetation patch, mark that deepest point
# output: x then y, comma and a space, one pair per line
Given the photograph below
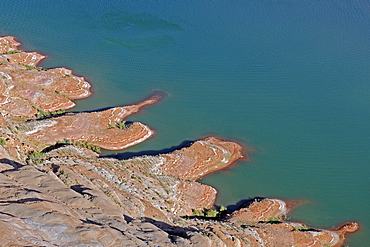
65, 96
43, 114
10, 52
120, 125
2, 141
305, 229
272, 220
84, 144
32, 67
36, 155
210, 213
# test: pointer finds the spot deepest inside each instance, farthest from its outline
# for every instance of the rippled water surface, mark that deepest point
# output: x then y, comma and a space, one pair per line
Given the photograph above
288, 78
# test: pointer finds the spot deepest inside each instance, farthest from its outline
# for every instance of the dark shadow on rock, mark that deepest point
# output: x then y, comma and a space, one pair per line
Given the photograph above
55, 168
13, 163
243, 204
81, 189
172, 230
7, 214
46, 117
88, 221
69, 113
30, 190
128, 219
52, 147
25, 200
129, 155
302, 229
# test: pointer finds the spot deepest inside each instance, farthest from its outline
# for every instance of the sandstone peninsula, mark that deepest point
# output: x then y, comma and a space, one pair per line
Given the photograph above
56, 191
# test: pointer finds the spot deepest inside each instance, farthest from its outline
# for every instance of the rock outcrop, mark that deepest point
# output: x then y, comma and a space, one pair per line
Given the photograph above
54, 192
104, 129
26, 90
201, 158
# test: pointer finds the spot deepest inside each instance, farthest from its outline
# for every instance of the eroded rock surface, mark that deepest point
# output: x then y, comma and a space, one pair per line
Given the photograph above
69, 196
26, 90
201, 158
99, 128
72, 197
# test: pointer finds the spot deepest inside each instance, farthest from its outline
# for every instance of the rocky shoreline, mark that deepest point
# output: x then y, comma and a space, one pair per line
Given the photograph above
57, 191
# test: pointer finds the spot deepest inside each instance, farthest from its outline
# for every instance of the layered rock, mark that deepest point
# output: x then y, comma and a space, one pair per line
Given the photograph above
201, 158
104, 129
8, 44
26, 90
67, 195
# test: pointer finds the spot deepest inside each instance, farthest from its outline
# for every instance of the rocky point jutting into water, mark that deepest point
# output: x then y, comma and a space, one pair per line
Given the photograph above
56, 191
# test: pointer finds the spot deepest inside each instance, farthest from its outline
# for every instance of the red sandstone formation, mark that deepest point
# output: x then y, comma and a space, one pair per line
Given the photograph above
26, 89
102, 128
193, 196
268, 214
194, 162
8, 44
291, 234
260, 210
2, 121
201, 158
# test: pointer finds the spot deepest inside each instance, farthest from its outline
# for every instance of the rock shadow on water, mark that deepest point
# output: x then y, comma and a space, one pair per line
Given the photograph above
129, 155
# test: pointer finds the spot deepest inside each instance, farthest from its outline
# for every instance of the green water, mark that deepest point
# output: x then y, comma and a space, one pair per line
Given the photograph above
288, 78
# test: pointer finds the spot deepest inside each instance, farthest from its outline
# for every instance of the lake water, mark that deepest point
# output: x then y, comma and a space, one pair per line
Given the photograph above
289, 78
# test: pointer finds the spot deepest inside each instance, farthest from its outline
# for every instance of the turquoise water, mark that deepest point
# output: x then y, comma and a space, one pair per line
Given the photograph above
288, 78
